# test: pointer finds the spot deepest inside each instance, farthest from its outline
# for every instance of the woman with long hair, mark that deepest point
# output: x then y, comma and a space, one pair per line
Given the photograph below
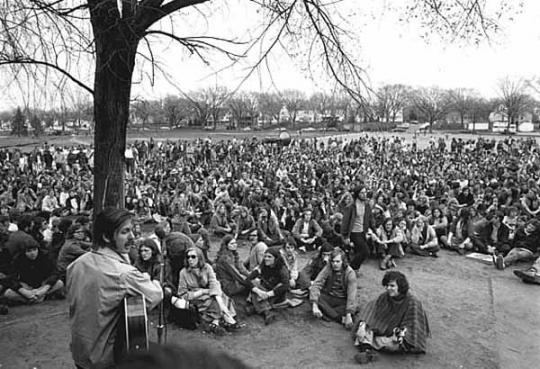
230, 270
198, 284
150, 261
268, 284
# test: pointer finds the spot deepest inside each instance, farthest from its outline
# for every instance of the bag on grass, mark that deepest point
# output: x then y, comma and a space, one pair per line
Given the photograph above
183, 314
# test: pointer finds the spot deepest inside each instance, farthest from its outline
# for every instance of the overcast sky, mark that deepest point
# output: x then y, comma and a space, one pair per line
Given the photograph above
390, 51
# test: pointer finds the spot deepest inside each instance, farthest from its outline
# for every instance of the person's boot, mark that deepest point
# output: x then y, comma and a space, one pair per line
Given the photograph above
384, 262
269, 317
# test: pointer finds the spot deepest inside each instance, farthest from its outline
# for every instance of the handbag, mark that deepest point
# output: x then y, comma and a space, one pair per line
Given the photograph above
183, 314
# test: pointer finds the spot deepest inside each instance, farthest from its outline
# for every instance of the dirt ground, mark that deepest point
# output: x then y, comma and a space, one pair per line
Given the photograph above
480, 318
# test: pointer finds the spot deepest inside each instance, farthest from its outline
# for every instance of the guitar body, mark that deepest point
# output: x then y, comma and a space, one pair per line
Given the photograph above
136, 323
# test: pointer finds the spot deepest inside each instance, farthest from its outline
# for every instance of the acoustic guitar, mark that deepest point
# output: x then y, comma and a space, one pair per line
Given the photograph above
136, 323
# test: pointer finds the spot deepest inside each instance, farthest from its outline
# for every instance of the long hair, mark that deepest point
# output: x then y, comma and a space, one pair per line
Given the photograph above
107, 222
201, 261
223, 250
338, 251
149, 243
399, 278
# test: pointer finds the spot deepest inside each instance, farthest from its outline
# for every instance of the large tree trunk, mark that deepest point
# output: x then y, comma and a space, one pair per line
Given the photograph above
116, 47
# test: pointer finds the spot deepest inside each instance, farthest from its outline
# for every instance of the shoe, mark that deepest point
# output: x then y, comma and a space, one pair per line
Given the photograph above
434, 255
461, 250
269, 318
4, 310
494, 260
391, 264
232, 327
366, 357
384, 263
528, 276
499, 262
249, 309
217, 329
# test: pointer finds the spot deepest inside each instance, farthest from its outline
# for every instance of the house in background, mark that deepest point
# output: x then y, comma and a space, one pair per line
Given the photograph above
499, 121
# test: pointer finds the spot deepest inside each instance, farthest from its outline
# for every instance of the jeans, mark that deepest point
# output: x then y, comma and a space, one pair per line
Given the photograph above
360, 249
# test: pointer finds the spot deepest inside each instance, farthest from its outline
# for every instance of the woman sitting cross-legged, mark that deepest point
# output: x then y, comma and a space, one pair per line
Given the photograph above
269, 283
198, 284
230, 271
395, 321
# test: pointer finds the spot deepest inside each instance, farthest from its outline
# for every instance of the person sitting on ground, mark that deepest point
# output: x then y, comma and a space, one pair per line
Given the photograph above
244, 223
220, 223
175, 245
387, 240
490, 235
394, 322
510, 220
198, 284
230, 271
307, 232
290, 257
256, 251
333, 294
331, 230
268, 226
268, 284
524, 245
17, 240
151, 261
314, 266
459, 236
74, 247
439, 222
34, 276
59, 238
530, 275
423, 238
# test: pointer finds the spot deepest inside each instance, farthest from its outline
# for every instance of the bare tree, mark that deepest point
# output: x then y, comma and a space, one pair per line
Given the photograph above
237, 107
391, 99
431, 103
270, 105
293, 101
42, 39
216, 97
514, 98
462, 101
174, 110
142, 110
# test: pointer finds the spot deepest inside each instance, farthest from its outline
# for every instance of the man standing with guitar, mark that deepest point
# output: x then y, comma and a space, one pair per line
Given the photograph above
97, 284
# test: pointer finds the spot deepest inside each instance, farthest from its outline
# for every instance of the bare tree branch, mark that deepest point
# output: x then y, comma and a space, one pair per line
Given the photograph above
48, 65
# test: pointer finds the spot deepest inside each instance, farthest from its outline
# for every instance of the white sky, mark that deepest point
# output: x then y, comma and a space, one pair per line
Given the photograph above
392, 52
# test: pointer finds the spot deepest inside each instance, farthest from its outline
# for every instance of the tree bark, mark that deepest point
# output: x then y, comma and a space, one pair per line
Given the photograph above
116, 47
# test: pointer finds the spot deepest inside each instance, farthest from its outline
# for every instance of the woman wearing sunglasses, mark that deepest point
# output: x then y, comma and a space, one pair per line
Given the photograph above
198, 284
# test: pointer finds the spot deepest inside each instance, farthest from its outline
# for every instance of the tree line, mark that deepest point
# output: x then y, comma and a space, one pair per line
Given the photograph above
387, 104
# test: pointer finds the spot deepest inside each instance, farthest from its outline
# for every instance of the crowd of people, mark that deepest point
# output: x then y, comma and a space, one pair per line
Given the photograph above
340, 199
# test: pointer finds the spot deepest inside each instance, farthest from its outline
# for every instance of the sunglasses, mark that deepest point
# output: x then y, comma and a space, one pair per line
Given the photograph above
192, 256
